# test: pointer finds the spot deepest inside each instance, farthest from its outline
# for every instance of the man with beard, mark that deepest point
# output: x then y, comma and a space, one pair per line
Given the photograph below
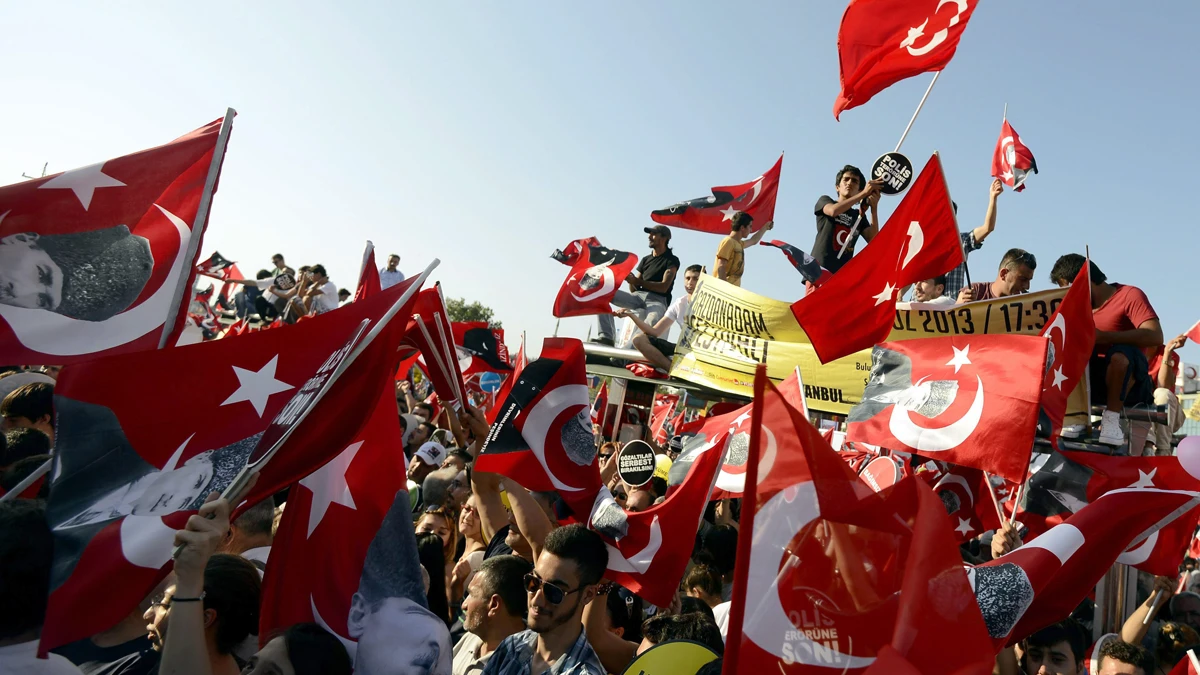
494, 608
571, 564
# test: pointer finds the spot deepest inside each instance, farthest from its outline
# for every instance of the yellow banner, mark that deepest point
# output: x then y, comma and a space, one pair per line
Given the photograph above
730, 331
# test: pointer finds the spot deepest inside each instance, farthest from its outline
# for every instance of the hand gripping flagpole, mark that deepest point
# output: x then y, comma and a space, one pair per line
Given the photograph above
863, 214
238, 484
210, 185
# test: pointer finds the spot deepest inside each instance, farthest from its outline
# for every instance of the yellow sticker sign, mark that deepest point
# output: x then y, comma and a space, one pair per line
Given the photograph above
678, 657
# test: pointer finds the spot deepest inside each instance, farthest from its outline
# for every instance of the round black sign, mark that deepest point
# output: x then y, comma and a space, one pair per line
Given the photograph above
285, 282
894, 170
635, 465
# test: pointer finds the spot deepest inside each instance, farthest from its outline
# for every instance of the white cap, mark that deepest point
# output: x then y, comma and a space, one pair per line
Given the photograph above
432, 453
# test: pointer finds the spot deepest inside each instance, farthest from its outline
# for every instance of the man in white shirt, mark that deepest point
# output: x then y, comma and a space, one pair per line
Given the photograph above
322, 296
391, 275
494, 608
932, 291
651, 341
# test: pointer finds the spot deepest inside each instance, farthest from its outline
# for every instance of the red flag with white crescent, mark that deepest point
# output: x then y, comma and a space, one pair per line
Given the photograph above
1012, 162
597, 273
712, 214
1072, 334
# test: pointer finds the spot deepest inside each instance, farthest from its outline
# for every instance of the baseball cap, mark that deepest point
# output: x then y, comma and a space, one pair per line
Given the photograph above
432, 453
661, 230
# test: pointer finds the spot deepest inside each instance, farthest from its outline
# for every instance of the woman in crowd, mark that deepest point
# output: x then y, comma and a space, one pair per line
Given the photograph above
433, 558
440, 521
474, 546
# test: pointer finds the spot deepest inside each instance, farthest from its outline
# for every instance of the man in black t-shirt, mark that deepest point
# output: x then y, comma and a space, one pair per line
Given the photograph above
649, 289
836, 219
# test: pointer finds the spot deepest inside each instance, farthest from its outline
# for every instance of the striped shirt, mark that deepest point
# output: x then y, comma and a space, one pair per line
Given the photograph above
514, 656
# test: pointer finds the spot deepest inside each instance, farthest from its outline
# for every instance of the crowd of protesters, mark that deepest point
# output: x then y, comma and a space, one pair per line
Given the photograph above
517, 591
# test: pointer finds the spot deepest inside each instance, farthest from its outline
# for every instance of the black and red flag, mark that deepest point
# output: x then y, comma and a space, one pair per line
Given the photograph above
480, 348
855, 309
100, 260
881, 42
1012, 162
1072, 334
542, 438
805, 264
332, 515
134, 461
597, 273
1044, 580
518, 366
833, 577
712, 214
217, 267
368, 274
964, 399
1064, 483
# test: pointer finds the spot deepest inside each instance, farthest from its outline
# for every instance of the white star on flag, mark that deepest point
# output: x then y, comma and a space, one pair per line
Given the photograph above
1059, 378
257, 387
964, 526
328, 485
729, 213
886, 295
960, 358
83, 182
1145, 480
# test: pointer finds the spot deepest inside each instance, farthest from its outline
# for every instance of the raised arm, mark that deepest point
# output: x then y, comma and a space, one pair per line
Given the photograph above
1166, 374
530, 517
1135, 627
757, 236
989, 220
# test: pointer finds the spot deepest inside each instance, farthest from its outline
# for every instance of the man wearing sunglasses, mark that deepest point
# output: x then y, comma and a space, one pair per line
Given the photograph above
564, 580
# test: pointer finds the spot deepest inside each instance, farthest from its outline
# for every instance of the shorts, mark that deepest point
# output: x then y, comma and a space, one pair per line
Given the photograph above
666, 347
1139, 389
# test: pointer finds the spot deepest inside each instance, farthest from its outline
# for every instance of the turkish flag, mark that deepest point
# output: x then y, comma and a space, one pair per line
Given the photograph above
368, 274
712, 214
1044, 580
1193, 333
1064, 483
1190, 665
216, 266
855, 309
597, 273
143, 438
480, 348
834, 577
1012, 162
600, 403
664, 406
100, 260
518, 367
331, 517
964, 495
805, 264
1075, 329
225, 296
881, 42
965, 399
431, 333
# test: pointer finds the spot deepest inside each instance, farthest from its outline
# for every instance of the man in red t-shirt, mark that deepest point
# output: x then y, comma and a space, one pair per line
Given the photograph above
1016, 271
1127, 331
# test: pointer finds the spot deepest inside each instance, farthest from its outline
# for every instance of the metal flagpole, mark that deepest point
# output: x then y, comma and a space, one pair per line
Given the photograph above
193, 246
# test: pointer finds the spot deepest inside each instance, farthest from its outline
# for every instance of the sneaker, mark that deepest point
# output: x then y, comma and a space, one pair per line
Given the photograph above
1073, 431
1110, 429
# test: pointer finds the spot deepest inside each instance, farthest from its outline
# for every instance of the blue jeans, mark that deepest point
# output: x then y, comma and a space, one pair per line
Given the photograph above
649, 307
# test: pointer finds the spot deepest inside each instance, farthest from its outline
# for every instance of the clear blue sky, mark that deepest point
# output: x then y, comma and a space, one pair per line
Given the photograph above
489, 134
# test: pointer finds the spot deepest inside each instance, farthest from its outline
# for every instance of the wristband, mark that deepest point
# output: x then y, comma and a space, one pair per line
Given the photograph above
198, 598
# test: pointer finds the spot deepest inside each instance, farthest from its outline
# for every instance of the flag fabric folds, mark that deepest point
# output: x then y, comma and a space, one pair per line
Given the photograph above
597, 273
1012, 162
712, 214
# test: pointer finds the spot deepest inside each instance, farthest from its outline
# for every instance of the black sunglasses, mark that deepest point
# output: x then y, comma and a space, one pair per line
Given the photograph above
554, 595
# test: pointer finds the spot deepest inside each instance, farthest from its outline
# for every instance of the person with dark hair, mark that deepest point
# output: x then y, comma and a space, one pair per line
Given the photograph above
650, 287
1127, 333
613, 623
932, 291
90, 276
21, 444
1058, 649
26, 555
12, 476
458, 458
391, 275
343, 296
30, 406
250, 535
495, 608
1013, 277
302, 649
721, 543
390, 616
123, 649
426, 459
1122, 658
652, 342
694, 627
321, 295
730, 262
431, 553
836, 219
571, 563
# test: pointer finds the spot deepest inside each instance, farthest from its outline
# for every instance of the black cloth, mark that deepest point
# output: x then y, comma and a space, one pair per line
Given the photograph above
497, 546
831, 232
1138, 387
654, 268
667, 348
135, 657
